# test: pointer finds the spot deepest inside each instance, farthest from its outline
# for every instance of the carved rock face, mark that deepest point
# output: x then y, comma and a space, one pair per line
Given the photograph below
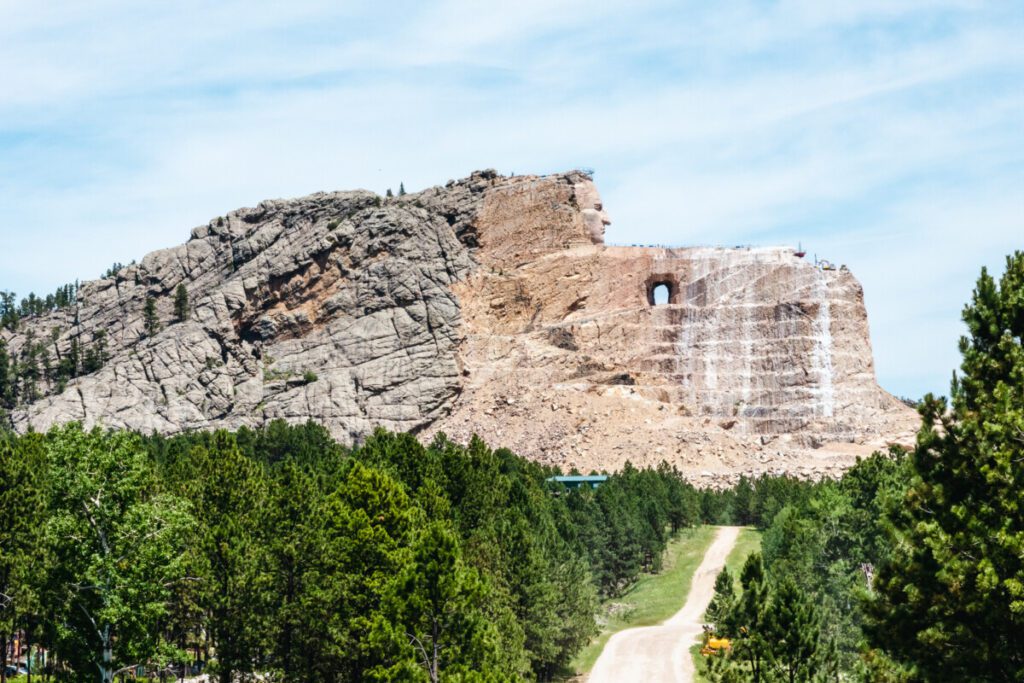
595, 218
489, 306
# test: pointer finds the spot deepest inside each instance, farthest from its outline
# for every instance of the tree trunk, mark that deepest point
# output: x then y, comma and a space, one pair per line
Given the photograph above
434, 664
3, 658
106, 671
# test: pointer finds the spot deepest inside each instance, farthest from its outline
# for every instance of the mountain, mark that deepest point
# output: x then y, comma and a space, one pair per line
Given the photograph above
490, 305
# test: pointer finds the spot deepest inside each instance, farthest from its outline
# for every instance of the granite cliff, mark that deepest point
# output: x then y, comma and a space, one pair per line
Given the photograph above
492, 306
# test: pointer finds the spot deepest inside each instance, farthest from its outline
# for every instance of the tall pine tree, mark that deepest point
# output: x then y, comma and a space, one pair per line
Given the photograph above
150, 320
181, 303
950, 604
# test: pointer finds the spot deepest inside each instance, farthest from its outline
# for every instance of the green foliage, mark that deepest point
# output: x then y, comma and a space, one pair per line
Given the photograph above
8, 383
95, 356
181, 307
950, 602
10, 313
753, 502
725, 595
23, 499
32, 372
150, 319
117, 547
113, 270
275, 551
433, 617
791, 631
823, 539
309, 377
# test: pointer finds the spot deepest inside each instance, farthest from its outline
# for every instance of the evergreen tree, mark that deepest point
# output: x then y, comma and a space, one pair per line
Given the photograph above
150, 321
230, 494
401, 189
950, 603
744, 508
7, 382
746, 623
22, 510
96, 354
791, 633
725, 595
181, 303
8, 311
435, 618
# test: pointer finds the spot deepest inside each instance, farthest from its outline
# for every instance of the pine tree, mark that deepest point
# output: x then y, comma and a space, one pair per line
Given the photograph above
401, 189
389, 194
725, 595
950, 604
746, 623
22, 512
435, 620
791, 632
150, 320
7, 381
96, 354
8, 311
181, 303
230, 501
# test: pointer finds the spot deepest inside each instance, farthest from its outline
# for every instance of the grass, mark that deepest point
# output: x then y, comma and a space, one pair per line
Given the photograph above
655, 597
749, 541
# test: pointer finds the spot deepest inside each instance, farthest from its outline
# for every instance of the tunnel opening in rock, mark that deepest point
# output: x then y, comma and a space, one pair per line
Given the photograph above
660, 294
662, 290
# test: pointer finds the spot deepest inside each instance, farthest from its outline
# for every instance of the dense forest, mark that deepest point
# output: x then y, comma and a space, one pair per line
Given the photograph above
911, 566
277, 551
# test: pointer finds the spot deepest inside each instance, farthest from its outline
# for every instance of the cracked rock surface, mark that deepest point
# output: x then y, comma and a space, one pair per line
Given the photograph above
491, 306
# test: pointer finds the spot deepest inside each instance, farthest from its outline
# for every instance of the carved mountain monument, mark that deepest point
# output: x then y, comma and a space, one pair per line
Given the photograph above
491, 306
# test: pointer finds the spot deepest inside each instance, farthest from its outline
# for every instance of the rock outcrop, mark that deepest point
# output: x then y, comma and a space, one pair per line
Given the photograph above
492, 306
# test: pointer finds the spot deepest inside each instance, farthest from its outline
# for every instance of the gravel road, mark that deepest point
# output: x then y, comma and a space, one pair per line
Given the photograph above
660, 654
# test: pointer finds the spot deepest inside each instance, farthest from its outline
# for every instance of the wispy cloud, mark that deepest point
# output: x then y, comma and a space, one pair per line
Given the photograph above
886, 135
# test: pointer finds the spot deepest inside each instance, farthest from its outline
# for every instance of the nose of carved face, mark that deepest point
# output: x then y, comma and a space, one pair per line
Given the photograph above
595, 221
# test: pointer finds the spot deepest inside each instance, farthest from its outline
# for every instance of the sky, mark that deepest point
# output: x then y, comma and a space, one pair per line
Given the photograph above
886, 135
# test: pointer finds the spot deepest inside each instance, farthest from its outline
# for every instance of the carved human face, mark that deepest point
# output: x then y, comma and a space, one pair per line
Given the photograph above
594, 216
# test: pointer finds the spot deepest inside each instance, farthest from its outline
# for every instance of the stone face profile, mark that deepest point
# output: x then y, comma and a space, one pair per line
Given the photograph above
490, 306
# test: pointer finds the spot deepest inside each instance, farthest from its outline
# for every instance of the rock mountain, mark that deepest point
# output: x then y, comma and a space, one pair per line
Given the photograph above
491, 306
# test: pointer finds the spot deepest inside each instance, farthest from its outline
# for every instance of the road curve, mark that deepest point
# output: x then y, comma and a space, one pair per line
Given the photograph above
661, 654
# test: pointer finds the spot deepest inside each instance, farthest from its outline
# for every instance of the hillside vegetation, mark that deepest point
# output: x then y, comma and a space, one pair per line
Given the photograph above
277, 551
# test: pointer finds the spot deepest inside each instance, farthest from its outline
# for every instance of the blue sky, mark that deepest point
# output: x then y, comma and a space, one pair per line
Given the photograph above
885, 135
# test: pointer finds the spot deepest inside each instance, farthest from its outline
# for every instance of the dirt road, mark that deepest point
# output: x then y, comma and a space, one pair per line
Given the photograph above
660, 654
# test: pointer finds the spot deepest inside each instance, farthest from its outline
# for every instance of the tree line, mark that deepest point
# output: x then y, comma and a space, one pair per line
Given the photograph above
40, 367
276, 551
11, 311
33, 371
911, 566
